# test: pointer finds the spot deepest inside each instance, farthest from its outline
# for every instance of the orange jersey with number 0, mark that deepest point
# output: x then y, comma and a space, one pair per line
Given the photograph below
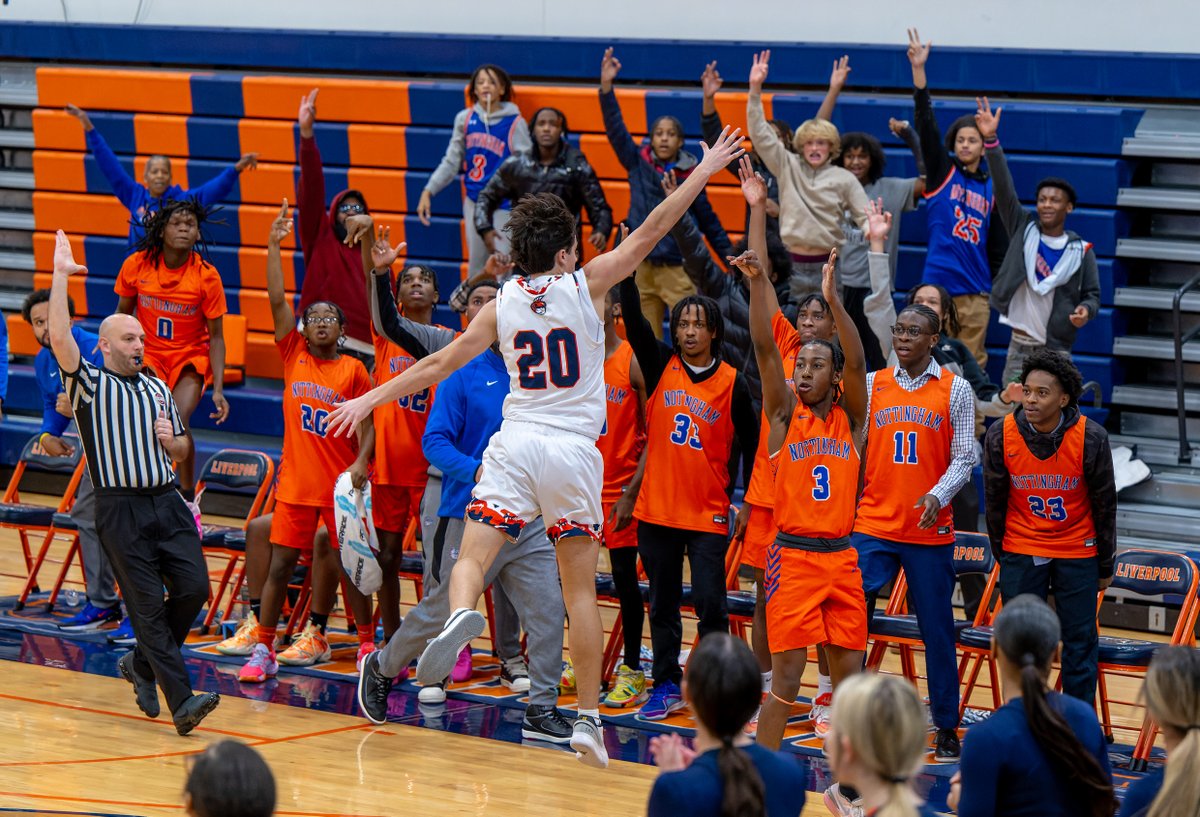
399, 424
312, 459
624, 434
689, 436
1049, 507
173, 305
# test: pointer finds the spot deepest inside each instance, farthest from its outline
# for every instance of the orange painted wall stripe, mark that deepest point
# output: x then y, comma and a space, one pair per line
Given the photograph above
377, 146
161, 134
75, 288
272, 141
55, 170
340, 100
115, 90
58, 130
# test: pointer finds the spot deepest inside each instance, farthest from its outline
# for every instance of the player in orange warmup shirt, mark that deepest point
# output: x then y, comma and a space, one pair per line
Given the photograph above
179, 300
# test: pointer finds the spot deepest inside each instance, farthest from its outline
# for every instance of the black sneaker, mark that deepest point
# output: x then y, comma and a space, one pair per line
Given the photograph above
514, 674
946, 747
143, 690
373, 690
546, 723
194, 710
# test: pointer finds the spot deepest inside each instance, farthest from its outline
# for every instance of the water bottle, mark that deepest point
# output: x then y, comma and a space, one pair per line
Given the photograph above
71, 598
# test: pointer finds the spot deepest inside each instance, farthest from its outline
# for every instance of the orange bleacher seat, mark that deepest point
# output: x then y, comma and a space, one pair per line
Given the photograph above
43, 253
252, 262
116, 89
341, 100
262, 356
58, 130
272, 141
270, 183
80, 213
59, 171
377, 146
582, 106
383, 188
155, 133
234, 329
20, 336
255, 306
75, 288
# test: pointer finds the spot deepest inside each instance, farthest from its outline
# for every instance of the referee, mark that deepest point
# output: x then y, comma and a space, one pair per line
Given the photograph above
131, 432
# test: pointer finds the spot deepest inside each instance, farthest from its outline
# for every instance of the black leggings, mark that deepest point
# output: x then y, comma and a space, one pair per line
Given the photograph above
633, 611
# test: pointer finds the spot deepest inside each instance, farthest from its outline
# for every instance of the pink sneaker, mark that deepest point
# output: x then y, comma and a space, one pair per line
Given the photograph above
462, 667
364, 649
194, 507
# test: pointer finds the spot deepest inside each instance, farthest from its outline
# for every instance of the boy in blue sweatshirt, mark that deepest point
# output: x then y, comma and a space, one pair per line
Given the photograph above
143, 199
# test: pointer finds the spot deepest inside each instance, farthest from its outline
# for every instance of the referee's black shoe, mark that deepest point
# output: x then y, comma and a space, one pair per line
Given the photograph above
946, 746
145, 691
188, 716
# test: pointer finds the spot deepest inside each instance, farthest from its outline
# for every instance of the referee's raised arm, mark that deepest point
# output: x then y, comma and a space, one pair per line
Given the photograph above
62, 342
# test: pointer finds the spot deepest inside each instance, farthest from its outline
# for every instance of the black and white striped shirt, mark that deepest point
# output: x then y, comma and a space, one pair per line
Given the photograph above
115, 415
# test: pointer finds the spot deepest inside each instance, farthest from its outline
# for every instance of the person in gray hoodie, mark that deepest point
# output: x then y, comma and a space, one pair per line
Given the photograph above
483, 136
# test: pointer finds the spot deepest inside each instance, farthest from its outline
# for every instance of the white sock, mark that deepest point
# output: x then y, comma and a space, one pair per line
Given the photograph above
824, 684
591, 713
766, 681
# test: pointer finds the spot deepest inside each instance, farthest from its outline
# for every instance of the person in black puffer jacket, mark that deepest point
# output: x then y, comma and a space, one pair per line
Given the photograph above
552, 165
662, 281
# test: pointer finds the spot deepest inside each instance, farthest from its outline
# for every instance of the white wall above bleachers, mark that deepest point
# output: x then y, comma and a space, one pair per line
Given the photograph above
1103, 25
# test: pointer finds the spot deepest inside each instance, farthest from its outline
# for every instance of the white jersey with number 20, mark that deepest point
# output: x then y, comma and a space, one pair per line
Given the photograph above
552, 341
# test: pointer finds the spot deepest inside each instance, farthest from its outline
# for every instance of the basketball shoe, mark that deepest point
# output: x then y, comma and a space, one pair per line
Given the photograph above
261, 666
587, 739
310, 647
241, 642
566, 684
629, 689
441, 654
822, 709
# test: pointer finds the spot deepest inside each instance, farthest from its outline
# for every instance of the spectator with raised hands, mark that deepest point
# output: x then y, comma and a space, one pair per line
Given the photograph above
813, 192
959, 202
157, 185
482, 137
662, 280
1048, 287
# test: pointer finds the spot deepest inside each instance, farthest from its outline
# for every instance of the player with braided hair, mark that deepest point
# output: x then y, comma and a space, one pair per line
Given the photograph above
178, 298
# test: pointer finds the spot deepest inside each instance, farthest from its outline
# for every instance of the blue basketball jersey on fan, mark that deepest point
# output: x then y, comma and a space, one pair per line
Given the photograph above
486, 147
552, 342
958, 215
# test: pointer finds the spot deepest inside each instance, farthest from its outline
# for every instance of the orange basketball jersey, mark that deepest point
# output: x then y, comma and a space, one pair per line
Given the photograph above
908, 451
761, 490
173, 305
399, 424
1049, 507
816, 475
311, 460
624, 434
689, 437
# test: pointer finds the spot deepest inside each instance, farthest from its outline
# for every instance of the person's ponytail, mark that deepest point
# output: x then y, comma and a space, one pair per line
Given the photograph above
742, 792
1172, 693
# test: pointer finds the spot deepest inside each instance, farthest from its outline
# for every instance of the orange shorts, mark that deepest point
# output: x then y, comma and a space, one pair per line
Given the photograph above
626, 537
814, 598
760, 534
394, 506
169, 365
294, 526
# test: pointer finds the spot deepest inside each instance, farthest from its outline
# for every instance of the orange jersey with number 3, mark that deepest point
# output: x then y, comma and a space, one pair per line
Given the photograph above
816, 475
1049, 507
908, 451
761, 490
689, 436
312, 459
399, 424
173, 305
624, 434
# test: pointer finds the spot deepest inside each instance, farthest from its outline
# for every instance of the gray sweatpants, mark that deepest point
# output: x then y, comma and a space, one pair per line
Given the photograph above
527, 571
97, 572
507, 623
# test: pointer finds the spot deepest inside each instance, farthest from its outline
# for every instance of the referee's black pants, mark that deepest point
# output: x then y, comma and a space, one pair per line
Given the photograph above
150, 539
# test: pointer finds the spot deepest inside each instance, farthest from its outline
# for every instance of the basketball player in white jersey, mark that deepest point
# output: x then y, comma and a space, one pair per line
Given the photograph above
543, 460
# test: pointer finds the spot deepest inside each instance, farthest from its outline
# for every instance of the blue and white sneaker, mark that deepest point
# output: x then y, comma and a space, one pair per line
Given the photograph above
91, 617
123, 636
664, 699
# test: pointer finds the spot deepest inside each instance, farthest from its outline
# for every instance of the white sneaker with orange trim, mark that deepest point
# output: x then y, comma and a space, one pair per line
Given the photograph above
310, 647
241, 642
822, 708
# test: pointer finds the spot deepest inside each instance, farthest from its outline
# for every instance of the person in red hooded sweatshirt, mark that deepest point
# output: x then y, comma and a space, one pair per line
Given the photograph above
332, 270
